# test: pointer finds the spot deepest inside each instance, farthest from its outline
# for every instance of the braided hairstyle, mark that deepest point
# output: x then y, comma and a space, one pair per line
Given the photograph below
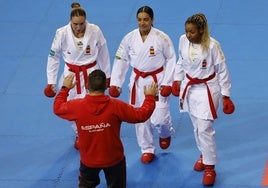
200, 21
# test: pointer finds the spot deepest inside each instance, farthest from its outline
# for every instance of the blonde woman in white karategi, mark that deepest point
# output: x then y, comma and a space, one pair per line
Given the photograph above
201, 78
83, 48
151, 55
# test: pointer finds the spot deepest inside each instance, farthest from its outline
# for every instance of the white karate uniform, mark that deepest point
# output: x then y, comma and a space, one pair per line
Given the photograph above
77, 51
201, 64
155, 52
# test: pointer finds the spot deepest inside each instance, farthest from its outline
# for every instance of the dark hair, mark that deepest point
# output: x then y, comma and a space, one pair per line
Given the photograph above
147, 10
97, 81
75, 5
77, 10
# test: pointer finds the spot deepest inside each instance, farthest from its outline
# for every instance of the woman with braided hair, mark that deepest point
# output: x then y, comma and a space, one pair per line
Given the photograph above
201, 78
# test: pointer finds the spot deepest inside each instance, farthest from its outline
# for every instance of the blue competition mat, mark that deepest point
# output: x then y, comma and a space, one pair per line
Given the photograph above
36, 147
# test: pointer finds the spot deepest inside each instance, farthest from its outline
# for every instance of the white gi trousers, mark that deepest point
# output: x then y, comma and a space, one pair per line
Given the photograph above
205, 139
161, 121
73, 92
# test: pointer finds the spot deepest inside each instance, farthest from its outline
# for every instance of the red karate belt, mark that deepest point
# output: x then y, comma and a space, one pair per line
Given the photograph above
193, 81
80, 68
143, 75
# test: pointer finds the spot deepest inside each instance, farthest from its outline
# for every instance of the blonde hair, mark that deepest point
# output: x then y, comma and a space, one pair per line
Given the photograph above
200, 21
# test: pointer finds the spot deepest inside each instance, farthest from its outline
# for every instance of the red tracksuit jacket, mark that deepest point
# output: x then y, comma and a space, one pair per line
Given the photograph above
98, 119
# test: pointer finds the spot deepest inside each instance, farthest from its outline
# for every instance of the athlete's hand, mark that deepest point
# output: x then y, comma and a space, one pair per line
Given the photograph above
151, 90
176, 88
115, 91
165, 91
228, 105
50, 90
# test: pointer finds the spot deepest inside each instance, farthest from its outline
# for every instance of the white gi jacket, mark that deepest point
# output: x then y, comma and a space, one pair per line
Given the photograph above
94, 49
196, 100
155, 52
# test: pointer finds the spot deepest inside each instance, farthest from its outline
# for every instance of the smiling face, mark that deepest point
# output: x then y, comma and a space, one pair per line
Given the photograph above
193, 34
144, 22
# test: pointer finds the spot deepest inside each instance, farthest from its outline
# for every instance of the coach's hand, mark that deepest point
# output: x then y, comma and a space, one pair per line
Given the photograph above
108, 80
69, 81
151, 90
